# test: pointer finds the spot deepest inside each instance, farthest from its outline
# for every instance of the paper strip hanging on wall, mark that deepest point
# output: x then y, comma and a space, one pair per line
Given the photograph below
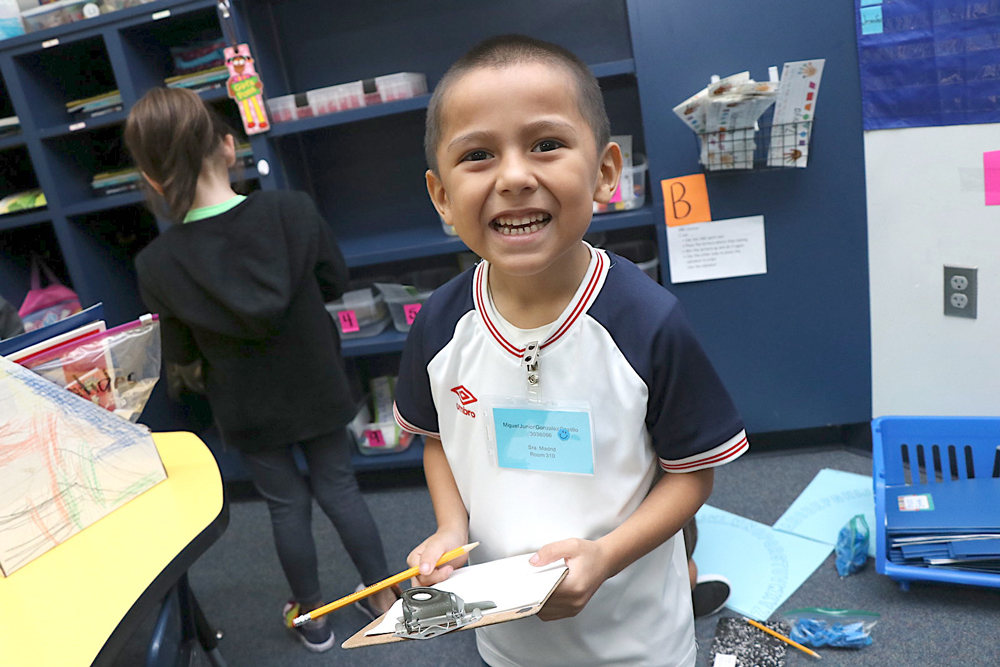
64, 464
794, 111
245, 88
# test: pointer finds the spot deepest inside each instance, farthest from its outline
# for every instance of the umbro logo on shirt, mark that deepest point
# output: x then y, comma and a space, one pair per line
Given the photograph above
466, 397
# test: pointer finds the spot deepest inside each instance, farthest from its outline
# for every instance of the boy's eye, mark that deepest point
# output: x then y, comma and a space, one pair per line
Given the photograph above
547, 145
475, 156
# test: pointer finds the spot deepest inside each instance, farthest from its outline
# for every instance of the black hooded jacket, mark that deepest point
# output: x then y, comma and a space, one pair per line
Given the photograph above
243, 291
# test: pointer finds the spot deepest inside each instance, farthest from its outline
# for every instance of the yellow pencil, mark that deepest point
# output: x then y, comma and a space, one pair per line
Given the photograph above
783, 638
375, 588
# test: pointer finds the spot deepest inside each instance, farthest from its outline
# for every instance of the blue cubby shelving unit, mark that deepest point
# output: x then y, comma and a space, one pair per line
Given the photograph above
364, 167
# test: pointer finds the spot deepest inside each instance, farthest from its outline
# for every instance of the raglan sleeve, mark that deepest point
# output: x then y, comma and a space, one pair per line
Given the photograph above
692, 419
414, 405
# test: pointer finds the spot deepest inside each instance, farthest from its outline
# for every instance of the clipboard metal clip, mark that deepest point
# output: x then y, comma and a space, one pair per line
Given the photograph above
429, 613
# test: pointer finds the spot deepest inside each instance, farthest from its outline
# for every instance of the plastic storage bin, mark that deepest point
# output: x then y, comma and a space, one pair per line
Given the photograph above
341, 97
282, 109
404, 303
383, 436
642, 253
11, 24
359, 314
53, 14
405, 298
636, 175
400, 86
927, 450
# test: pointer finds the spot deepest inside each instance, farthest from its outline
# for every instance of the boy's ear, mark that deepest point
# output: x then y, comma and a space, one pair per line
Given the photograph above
153, 184
439, 197
610, 170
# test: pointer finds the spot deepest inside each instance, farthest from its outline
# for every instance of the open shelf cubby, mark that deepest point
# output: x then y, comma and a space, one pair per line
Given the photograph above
69, 71
17, 246
154, 49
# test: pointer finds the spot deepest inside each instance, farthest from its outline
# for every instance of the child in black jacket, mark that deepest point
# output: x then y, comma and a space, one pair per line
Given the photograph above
239, 285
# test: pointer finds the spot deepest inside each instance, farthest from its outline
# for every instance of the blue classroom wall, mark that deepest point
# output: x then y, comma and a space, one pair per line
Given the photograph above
793, 345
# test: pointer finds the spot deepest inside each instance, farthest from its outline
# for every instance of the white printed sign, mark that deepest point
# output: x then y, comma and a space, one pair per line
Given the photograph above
717, 249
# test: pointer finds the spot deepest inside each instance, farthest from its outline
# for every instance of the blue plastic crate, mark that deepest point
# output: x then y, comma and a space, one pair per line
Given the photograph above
926, 450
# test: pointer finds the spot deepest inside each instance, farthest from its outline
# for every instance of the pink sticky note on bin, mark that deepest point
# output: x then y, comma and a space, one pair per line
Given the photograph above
991, 171
348, 321
410, 311
375, 438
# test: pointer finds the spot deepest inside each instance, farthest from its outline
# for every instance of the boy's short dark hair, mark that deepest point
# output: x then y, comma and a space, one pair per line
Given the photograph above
503, 51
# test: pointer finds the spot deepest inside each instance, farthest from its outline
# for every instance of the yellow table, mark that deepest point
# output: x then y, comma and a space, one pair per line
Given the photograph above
79, 603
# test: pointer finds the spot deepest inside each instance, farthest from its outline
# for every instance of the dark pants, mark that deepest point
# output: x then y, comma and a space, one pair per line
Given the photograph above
289, 498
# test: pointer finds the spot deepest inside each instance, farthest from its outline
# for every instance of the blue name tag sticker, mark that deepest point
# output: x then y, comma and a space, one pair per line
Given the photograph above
544, 440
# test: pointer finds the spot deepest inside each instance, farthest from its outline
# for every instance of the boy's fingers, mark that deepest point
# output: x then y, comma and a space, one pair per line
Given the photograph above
553, 552
429, 558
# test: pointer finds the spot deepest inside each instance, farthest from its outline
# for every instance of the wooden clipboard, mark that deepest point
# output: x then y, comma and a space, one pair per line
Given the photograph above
360, 639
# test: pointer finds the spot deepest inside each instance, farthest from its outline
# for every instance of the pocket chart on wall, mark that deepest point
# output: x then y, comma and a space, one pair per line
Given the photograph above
928, 62
64, 464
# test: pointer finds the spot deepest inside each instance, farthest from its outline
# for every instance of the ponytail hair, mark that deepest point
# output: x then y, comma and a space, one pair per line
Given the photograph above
170, 134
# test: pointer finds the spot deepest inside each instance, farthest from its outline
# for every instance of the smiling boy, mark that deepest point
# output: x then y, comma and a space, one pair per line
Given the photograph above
561, 455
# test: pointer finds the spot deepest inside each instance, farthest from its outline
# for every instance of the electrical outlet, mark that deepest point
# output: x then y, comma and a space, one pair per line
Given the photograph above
960, 292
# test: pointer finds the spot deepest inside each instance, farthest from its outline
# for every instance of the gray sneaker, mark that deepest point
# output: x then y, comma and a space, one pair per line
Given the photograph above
315, 635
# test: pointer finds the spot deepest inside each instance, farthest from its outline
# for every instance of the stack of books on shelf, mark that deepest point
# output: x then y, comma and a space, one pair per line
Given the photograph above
22, 201
98, 105
953, 524
200, 81
114, 182
199, 66
127, 179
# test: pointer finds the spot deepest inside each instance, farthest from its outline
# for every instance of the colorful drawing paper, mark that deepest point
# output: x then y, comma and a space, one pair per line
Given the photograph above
64, 464
794, 112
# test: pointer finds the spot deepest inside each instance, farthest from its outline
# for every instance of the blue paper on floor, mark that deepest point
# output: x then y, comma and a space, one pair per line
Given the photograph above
832, 499
764, 565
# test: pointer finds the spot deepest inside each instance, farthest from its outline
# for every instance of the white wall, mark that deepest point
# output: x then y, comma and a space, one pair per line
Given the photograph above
925, 210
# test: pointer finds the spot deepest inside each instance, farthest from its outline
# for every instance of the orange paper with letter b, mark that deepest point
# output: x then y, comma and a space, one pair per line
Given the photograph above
685, 200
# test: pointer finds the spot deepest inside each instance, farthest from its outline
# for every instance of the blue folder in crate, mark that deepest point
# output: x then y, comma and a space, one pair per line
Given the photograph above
937, 499
951, 523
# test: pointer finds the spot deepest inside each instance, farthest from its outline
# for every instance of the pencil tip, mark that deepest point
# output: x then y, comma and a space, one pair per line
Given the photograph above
470, 547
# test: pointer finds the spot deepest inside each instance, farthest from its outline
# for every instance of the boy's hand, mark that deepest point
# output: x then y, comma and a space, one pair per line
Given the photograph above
587, 571
430, 551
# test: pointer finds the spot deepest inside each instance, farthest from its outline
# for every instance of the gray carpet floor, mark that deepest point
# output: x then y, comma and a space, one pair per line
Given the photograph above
240, 586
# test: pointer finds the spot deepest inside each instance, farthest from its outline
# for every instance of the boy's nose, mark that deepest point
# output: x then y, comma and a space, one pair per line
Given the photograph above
515, 176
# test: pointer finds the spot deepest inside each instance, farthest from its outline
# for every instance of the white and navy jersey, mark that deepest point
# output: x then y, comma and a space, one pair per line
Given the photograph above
624, 347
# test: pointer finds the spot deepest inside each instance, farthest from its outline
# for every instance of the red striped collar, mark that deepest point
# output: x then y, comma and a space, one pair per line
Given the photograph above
585, 295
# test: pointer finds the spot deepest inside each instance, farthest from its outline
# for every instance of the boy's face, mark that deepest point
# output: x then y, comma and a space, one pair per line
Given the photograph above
518, 168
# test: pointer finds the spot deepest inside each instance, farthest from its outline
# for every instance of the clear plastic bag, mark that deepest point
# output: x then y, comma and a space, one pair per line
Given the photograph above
116, 369
852, 546
840, 628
